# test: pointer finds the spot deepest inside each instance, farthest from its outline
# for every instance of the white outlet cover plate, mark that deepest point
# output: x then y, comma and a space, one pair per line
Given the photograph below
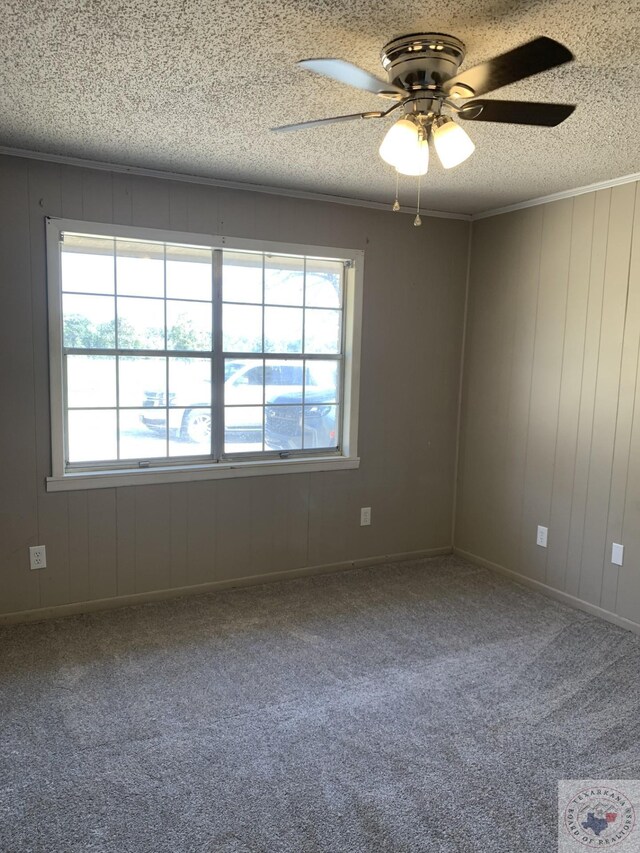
541, 538
617, 554
38, 557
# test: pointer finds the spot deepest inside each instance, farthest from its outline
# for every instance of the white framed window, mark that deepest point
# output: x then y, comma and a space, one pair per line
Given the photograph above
180, 356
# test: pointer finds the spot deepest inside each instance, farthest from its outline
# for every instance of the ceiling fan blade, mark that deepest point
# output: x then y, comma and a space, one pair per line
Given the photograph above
346, 72
531, 58
318, 121
516, 112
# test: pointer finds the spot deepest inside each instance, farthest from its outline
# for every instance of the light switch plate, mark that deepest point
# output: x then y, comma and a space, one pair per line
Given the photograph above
617, 554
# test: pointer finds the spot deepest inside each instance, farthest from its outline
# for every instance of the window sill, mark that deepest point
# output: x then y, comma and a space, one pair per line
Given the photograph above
192, 473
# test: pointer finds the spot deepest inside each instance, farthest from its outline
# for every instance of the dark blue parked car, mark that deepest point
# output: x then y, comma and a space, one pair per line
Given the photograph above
283, 421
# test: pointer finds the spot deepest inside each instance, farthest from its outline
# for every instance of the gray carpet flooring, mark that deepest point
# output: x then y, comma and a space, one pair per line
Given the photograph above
421, 706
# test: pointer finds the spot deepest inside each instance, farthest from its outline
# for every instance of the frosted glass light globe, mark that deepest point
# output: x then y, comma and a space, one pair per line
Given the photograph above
415, 161
403, 135
452, 143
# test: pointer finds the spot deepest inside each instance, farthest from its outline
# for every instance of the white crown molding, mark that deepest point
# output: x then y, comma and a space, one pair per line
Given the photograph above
545, 199
215, 182
62, 159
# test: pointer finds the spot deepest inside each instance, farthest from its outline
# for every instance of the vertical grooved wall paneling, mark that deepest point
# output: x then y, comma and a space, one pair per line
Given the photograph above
565, 279
19, 496
627, 587
552, 268
109, 542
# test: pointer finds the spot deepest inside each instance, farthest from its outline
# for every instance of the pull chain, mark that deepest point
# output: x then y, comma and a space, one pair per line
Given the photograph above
417, 221
396, 203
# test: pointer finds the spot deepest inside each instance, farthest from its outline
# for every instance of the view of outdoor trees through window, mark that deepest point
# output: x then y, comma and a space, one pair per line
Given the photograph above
148, 377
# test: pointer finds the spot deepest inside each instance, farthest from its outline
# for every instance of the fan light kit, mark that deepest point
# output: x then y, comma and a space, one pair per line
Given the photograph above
423, 81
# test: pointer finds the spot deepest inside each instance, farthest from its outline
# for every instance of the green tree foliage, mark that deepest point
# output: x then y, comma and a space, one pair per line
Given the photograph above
183, 336
81, 333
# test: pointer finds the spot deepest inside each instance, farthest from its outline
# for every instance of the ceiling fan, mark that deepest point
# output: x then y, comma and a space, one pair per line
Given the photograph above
424, 81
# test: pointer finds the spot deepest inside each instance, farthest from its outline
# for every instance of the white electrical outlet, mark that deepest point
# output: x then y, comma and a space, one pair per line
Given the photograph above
617, 554
38, 556
541, 538
365, 516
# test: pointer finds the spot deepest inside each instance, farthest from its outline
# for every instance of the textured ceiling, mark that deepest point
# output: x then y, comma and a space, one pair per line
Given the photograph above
193, 86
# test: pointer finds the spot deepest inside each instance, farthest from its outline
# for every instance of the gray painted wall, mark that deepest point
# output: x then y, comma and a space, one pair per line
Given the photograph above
551, 410
116, 542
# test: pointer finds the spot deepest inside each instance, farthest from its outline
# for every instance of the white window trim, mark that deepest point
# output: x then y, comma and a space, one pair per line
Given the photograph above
61, 480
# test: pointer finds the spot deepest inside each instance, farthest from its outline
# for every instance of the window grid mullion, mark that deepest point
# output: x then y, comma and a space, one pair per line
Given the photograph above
283, 356
265, 304
139, 353
264, 363
142, 296
166, 360
304, 362
65, 397
343, 346
217, 361
117, 357
137, 408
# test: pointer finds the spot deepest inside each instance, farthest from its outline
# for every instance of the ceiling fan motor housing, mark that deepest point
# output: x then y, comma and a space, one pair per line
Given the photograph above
424, 78
422, 60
